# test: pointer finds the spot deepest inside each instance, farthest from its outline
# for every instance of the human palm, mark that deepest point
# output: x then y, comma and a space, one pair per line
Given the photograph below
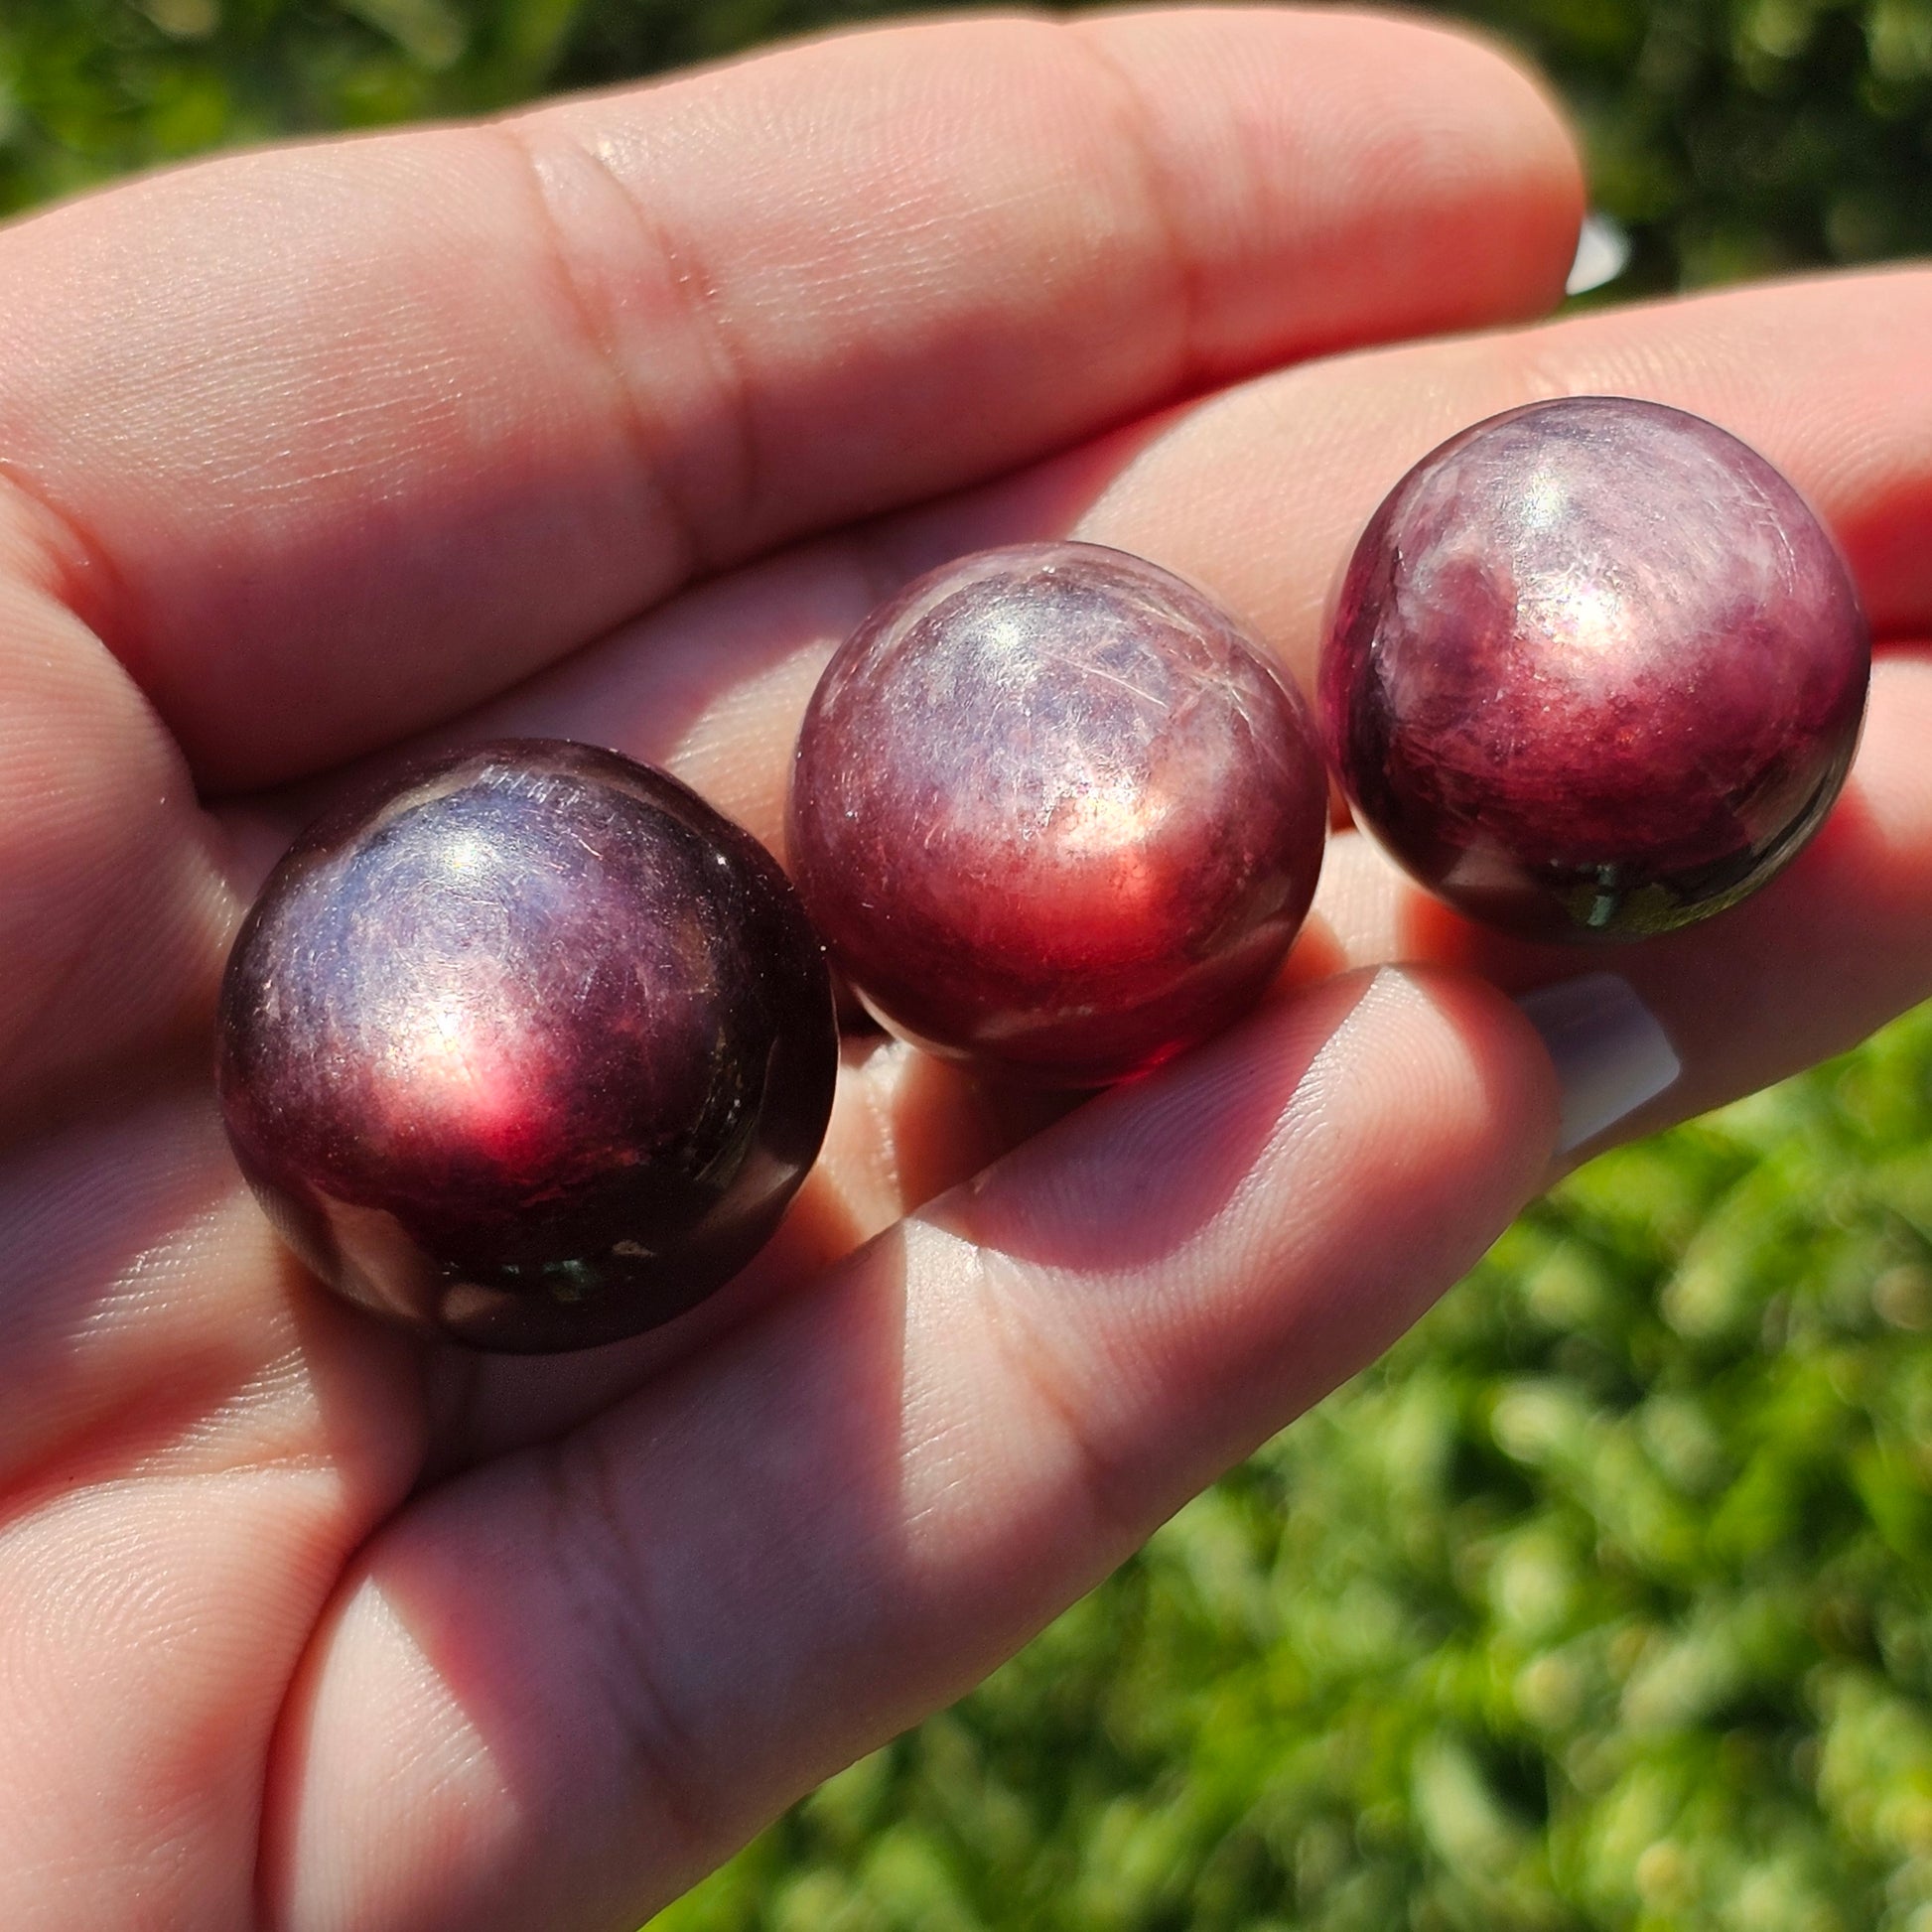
608, 421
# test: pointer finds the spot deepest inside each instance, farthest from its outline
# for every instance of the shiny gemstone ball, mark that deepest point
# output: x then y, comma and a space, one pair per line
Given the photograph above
1053, 814
528, 1048
1595, 670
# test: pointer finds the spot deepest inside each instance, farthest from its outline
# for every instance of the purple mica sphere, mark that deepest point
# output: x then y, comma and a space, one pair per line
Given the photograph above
528, 1048
1595, 670
1054, 814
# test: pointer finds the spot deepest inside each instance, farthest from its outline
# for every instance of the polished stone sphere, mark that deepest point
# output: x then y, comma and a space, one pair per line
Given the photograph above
1595, 670
1054, 814
528, 1048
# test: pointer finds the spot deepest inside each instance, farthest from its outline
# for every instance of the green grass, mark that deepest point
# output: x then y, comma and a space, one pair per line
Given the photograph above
1607, 1601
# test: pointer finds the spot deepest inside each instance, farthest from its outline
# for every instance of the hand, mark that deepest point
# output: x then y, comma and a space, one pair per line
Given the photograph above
310, 455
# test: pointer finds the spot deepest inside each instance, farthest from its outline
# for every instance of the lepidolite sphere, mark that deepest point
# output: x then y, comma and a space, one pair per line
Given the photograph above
1054, 815
529, 1048
1595, 670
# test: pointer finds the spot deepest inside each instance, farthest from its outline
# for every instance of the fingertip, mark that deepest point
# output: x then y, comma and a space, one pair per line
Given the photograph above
1610, 1052
1189, 1262
1263, 120
1531, 142
1383, 1114
1451, 1096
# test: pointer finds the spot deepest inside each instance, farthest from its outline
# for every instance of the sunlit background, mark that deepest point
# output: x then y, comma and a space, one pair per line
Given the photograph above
1607, 1601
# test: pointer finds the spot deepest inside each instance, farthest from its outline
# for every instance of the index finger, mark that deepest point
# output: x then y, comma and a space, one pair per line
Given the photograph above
330, 441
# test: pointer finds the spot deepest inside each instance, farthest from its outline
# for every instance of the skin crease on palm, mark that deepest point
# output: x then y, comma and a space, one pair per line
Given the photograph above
610, 421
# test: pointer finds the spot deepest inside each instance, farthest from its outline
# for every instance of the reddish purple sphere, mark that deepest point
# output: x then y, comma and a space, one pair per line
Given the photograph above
1054, 814
528, 1048
1595, 670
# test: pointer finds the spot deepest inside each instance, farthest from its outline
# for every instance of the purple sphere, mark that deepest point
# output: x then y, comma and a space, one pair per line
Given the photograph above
1595, 670
1054, 814
528, 1048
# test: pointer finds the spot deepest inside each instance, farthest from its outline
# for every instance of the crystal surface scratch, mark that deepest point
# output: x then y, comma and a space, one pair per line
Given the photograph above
1054, 814
529, 1048
1595, 670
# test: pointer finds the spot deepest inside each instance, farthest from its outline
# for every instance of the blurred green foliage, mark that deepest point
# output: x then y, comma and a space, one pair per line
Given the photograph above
1607, 1601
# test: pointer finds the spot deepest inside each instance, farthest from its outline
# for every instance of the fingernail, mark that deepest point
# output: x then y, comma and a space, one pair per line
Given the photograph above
1610, 1054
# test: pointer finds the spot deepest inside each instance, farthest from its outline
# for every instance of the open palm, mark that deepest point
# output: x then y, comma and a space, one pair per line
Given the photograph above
608, 421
